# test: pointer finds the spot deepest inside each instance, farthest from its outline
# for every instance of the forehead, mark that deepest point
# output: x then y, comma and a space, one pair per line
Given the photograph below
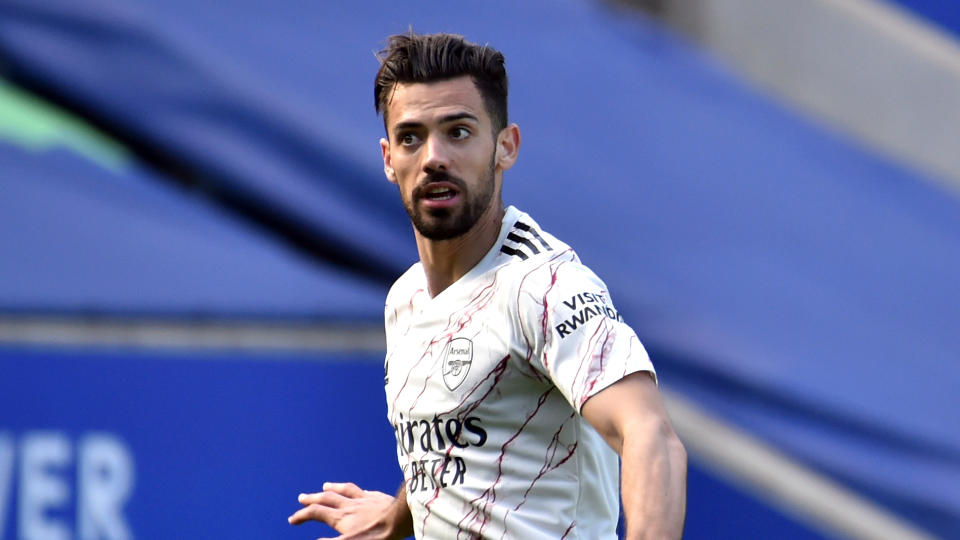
423, 102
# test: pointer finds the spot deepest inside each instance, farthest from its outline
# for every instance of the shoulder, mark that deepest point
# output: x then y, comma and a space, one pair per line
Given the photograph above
560, 279
524, 239
538, 262
545, 272
525, 247
405, 289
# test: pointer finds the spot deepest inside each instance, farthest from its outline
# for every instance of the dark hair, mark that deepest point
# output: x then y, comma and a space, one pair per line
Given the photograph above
418, 58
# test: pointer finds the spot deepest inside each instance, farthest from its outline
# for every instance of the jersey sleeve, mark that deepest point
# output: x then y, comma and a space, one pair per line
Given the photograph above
574, 333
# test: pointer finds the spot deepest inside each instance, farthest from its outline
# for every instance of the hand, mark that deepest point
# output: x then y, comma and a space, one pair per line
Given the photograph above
357, 514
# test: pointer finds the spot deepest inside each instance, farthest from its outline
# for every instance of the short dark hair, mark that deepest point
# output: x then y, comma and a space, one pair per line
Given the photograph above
421, 58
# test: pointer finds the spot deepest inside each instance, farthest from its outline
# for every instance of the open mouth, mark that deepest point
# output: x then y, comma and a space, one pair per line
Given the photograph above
439, 193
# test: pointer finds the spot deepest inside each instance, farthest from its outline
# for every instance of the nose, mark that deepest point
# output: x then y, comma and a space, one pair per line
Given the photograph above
436, 155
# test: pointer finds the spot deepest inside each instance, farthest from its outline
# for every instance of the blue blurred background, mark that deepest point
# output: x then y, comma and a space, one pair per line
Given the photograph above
197, 238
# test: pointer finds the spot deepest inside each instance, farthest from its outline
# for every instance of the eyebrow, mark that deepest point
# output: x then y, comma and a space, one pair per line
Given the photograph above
446, 119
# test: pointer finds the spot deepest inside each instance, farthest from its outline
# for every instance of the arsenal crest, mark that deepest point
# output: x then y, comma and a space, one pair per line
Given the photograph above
456, 362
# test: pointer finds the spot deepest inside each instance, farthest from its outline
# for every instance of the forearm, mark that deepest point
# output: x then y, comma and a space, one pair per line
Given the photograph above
654, 482
399, 514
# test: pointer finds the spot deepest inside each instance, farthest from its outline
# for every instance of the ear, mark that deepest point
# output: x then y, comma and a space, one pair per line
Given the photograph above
508, 146
387, 167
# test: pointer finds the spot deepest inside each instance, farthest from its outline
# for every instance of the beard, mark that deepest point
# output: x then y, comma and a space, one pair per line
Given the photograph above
447, 223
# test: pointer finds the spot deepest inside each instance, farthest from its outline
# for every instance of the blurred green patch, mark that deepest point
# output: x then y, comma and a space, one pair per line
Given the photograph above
32, 123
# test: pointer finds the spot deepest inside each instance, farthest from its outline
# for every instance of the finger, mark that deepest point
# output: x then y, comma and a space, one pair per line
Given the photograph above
324, 498
347, 489
307, 499
314, 512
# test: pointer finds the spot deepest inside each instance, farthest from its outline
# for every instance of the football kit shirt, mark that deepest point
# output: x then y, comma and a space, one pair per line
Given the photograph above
484, 385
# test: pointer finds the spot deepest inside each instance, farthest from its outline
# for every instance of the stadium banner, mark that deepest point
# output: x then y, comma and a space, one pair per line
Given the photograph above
112, 444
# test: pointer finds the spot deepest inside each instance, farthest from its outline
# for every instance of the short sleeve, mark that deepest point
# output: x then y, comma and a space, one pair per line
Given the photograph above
576, 335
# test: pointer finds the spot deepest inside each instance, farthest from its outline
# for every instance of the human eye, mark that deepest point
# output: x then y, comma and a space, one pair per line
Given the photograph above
408, 139
459, 133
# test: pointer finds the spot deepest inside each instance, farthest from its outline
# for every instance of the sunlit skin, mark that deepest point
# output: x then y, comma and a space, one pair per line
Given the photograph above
443, 156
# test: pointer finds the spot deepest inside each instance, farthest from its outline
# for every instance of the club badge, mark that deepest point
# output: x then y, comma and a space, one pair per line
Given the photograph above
456, 362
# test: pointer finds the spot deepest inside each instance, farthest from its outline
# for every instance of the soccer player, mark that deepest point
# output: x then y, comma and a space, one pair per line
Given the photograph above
512, 382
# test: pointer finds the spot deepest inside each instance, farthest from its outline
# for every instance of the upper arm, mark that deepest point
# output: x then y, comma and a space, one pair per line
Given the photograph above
576, 337
631, 405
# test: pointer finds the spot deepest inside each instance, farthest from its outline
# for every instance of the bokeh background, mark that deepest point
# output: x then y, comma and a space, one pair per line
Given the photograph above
196, 238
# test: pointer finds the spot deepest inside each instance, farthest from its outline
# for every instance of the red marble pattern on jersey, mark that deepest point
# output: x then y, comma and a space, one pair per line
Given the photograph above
479, 513
586, 351
545, 315
481, 300
406, 332
596, 357
550, 463
547, 330
497, 374
457, 321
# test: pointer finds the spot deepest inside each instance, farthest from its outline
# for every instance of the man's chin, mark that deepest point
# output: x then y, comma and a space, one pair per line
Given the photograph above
439, 233
448, 228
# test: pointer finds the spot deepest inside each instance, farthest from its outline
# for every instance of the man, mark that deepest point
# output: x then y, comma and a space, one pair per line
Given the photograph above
512, 382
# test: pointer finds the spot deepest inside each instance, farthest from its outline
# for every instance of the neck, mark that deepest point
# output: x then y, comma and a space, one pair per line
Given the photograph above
446, 261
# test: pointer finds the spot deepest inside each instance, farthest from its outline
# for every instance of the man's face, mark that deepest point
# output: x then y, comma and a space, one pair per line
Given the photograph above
442, 155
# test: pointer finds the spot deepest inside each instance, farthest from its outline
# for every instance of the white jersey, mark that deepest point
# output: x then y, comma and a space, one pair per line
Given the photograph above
484, 387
